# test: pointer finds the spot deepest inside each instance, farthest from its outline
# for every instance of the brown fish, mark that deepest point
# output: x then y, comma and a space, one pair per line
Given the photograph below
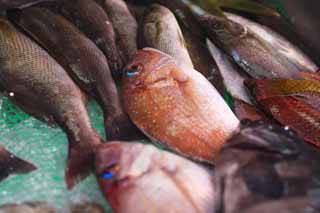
289, 205
125, 25
263, 163
161, 31
83, 61
35, 82
176, 106
10, 164
91, 19
31, 207
10, 4
140, 178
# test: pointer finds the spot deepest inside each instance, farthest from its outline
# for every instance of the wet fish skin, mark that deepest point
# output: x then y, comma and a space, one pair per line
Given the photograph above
161, 31
157, 180
289, 205
91, 19
176, 106
84, 62
125, 26
263, 163
294, 103
10, 164
250, 51
42, 88
11, 4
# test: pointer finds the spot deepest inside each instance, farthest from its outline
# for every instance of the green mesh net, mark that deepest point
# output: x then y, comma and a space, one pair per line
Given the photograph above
46, 147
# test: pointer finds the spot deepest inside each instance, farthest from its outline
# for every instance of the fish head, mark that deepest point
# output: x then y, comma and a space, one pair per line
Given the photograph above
118, 165
147, 67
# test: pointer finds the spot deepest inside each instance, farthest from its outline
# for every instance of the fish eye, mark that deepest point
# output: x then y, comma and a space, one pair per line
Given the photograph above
109, 172
134, 70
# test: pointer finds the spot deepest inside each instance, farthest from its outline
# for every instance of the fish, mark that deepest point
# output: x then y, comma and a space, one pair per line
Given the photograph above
295, 17
19, 4
232, 76
11, 164
260, 58
91, 19
176, 106
288, 205
137, 177
125, 25
293, 103
262, 163
161, 31
82, 59
39, 86
30, 207
86, 207
201, 58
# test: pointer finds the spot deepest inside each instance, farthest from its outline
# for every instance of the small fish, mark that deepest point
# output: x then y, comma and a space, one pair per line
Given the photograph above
176, 106
259, 57
141, 178
125, 26
263, 163
10, 164
161, 31
81, 58
37, 84
11, 4
91, 19
293, 103
288, 205
86, 207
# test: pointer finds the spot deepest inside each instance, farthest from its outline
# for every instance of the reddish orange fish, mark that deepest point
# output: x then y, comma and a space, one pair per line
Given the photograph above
176, 106
294, 103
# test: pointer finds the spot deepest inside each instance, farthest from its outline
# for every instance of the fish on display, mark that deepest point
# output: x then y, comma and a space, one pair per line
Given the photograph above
161, 31
294, 103
38, 85
289, 205
91, 19
11, 164
125, 26
176, 106
141, 178
263, 163
259, 57
10, 4
81, 58
201, 58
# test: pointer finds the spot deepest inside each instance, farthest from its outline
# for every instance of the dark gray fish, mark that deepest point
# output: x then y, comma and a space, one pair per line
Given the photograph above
10, 164
259, 57
263, 163
82, 60
35, 82
91, 19
11, 4
125, 26
161, 31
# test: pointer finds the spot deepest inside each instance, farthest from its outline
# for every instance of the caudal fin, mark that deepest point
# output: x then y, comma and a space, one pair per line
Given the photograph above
11, 164
79, 164
121, 128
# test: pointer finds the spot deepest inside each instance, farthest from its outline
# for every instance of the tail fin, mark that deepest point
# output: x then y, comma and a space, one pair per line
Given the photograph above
10, 164
121, 128
79, 164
